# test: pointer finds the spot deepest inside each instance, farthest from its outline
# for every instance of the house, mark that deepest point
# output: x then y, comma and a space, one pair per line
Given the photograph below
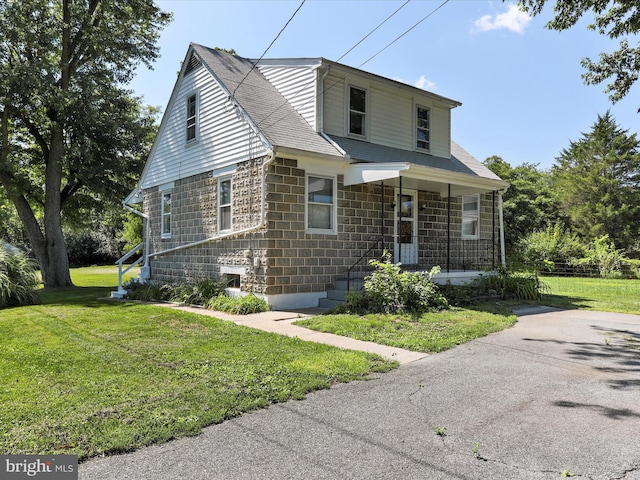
281, 176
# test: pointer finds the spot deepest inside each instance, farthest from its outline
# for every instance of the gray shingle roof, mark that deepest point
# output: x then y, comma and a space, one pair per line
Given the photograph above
260, 99
461, 161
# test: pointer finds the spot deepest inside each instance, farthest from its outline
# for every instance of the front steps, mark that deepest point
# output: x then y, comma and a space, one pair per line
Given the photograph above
335, 296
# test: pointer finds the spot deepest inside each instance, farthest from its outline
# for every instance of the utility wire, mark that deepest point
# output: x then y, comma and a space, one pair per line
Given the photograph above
369, 59
343, 55
270, 45
403, 34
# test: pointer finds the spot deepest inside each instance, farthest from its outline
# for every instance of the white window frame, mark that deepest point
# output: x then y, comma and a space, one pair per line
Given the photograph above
333, 205
228, 205
195, 119
166, 215
365, 116
470, 217
418, 128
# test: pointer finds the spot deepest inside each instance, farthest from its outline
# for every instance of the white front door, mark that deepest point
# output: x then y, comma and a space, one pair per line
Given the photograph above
406, 228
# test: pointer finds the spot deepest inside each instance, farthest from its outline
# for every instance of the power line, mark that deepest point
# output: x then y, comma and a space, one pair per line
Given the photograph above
404, 33
341, 57
270, 45
366, 61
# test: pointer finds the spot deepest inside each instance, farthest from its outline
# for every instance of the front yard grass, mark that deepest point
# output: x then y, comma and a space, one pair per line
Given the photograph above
604, 294
84, 376
431, 332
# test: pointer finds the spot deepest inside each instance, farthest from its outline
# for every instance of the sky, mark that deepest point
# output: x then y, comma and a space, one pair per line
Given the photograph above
520, 84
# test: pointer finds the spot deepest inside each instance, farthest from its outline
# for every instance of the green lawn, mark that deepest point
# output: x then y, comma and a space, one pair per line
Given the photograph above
87, 376
607, 295
432, 332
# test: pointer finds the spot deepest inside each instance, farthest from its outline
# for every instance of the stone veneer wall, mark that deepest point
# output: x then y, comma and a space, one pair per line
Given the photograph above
283, 258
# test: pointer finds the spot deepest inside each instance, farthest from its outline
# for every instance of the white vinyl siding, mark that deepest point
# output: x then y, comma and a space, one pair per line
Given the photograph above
224, 138
298, 85
391, 114
391, 120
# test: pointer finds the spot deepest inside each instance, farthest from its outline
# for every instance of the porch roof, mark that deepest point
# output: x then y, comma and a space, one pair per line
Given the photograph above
423, 171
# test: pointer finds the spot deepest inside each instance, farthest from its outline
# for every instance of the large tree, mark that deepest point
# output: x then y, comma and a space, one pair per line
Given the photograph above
68, 126
529, 203
617, 19
597, 181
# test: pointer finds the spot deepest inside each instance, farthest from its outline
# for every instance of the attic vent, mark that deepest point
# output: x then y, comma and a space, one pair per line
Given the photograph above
192, 65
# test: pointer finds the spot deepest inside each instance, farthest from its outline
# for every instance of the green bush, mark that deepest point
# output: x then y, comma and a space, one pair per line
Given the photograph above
238, 305
18, 279
389, 289
148, 291
602, 253
503, 285
198, 293
542, 249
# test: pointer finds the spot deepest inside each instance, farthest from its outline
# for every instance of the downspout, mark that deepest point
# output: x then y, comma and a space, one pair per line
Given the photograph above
502, 249
263, 217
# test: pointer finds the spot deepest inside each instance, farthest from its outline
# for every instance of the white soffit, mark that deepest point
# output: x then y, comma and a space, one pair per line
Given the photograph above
357, 173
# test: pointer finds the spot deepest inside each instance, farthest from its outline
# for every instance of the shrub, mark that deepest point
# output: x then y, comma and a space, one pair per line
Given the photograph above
92, 248
18, 279
148, 291
238, 305
502, 284
543, 249
602, 253
198, 293
389, 289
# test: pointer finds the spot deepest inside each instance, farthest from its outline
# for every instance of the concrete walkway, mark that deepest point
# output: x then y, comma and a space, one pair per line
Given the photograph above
281, 322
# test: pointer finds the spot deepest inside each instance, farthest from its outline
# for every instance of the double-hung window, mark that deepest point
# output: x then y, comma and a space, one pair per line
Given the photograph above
224, 204
321, 202
166, 214
192, 117
357, 111
422, 128
471, 216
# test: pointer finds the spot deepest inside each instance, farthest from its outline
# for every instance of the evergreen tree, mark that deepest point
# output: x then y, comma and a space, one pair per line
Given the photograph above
597, 182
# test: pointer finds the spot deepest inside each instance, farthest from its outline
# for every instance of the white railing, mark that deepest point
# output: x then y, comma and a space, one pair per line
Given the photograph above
122, 270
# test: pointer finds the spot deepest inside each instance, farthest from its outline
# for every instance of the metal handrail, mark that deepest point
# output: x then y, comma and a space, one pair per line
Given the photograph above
367, 255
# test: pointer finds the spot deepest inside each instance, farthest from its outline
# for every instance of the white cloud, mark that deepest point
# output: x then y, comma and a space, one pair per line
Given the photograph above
513, 19
423, 82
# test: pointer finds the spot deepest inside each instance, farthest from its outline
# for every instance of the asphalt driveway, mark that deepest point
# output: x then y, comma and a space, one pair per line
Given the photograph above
558, 392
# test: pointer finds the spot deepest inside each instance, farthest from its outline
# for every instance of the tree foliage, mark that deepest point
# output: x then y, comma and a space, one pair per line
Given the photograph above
71, 135
529, 203
597, 183
617, 19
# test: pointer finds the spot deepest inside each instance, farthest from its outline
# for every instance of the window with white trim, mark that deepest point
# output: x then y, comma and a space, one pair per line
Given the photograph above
224, 204
471, 216
192, 118
423, 120
166, 214
321, 203
357, 111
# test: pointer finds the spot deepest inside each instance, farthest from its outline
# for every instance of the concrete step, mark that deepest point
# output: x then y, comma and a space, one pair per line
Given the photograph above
329, 303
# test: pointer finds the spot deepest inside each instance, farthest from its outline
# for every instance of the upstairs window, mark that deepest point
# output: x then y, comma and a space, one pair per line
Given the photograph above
320, 204
224, 204
166, 214
422, 128
471, 216
357, 111
192, 117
